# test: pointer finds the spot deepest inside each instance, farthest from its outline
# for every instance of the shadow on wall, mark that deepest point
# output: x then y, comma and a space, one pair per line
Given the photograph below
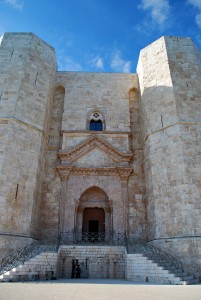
172, 172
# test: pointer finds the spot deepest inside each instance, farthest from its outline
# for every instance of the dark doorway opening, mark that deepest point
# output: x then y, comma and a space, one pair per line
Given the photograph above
93, 220
93, 226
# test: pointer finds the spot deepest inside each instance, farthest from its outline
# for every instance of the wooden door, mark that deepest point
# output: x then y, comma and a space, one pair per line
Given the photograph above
93, 220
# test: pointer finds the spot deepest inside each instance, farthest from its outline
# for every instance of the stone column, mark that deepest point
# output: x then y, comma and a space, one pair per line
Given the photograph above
79, 220
66, 211
124, 174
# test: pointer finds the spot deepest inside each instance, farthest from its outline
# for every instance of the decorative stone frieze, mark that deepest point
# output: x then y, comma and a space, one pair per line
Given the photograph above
66, 171
91, 143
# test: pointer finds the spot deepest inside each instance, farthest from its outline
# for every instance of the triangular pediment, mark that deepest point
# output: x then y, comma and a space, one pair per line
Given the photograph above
89, 145
95, 158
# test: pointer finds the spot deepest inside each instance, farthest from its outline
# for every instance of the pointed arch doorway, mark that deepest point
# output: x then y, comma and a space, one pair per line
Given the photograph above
94, 213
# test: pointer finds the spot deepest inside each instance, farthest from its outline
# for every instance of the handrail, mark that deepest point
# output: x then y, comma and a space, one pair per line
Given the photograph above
88, 238
158, 255
52, 243
17, 256
23, 254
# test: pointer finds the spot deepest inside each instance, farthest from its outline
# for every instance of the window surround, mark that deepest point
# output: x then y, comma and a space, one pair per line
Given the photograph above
95, 115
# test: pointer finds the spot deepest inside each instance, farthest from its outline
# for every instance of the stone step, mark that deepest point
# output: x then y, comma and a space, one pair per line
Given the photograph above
188, 277
138, 267
148, 270
191, 281
194, 281
44, 260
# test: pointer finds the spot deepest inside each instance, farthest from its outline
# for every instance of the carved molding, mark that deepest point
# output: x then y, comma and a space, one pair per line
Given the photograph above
66, 171
95, 171
124, 173
91, 143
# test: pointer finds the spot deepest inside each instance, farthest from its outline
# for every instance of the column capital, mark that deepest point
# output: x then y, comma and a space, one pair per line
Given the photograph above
124, 173
64, 172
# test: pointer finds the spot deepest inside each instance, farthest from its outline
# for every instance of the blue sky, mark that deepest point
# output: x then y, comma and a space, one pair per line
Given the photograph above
101, 35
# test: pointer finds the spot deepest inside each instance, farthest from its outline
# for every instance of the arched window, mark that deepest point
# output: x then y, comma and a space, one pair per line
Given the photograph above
96, 121
96, 125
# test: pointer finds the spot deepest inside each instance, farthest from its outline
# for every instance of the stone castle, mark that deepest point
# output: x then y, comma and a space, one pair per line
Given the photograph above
101, 153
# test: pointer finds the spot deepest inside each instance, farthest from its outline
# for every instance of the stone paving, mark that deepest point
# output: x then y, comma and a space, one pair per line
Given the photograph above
97, 290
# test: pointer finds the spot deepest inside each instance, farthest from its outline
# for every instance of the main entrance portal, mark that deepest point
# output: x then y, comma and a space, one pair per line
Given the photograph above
93, 220
93, 214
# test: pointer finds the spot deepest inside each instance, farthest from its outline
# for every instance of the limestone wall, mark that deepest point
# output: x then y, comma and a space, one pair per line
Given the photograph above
49, 204
27, 69
95, 261
108, 93
86, 91
117, 96
9, 243
186, 249
136, 190
169, 75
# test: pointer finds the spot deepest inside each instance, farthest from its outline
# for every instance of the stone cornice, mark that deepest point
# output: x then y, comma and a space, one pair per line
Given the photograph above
87, 132
66, 171
91, 143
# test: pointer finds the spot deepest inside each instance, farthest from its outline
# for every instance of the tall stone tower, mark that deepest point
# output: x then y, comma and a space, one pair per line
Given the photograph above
27, 73
169, 74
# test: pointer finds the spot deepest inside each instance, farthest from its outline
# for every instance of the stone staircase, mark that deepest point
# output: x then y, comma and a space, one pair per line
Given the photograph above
21, 263
146, 263
139, 268
140, 263
41, 267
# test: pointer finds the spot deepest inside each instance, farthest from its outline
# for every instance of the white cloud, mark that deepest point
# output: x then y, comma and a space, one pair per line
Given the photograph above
97, 62
15, 3
67, 63
118, 64
144, 28
198, 20
197, 4
160, 9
